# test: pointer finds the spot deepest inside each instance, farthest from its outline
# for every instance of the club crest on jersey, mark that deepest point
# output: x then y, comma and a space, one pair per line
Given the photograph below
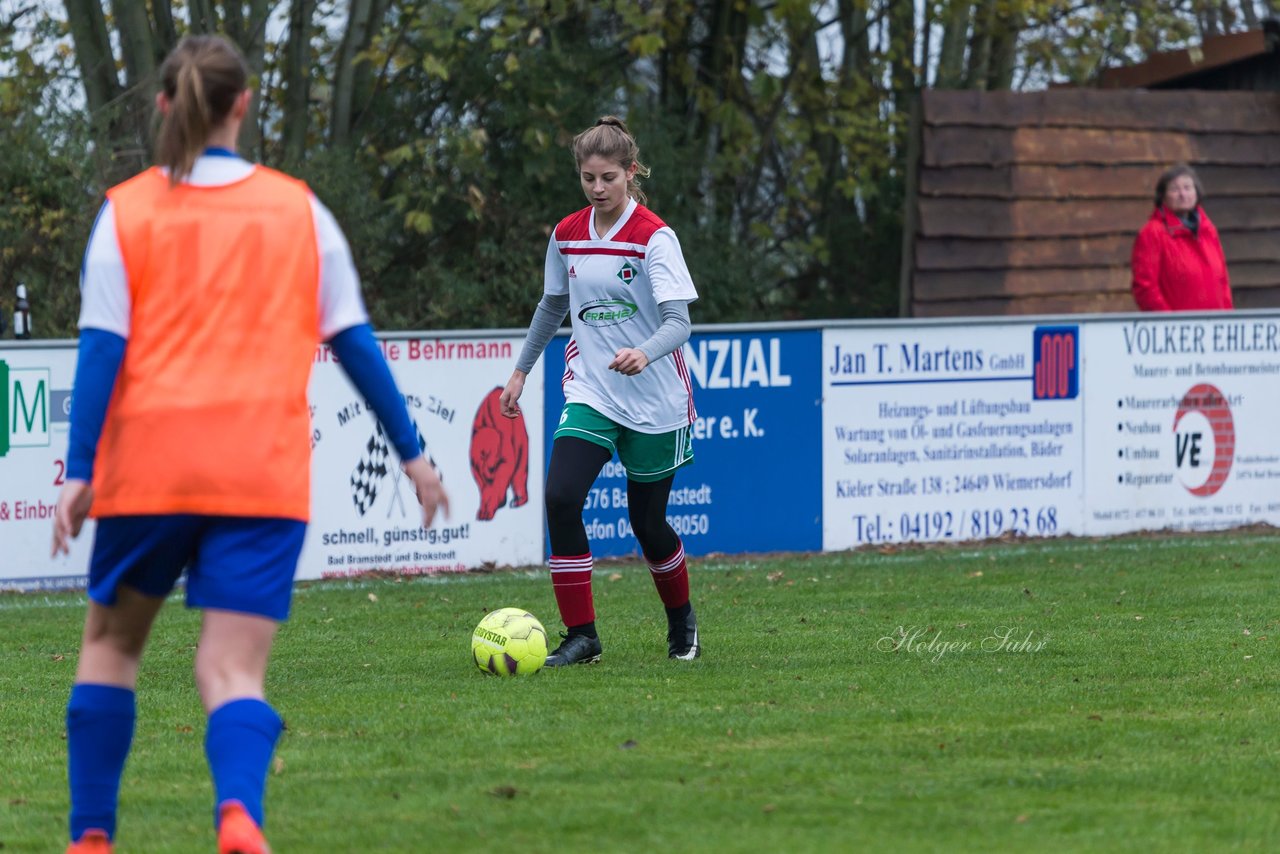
627, 272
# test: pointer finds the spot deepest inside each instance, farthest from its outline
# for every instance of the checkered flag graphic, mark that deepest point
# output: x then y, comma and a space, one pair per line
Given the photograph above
370, 471
422, 449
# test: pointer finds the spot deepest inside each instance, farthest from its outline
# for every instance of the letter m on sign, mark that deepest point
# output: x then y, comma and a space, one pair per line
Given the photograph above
28, 421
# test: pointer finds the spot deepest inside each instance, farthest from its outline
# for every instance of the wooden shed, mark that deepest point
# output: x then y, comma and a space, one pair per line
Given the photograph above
1028, 203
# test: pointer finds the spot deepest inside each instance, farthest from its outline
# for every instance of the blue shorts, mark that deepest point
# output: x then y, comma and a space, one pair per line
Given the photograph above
233, 563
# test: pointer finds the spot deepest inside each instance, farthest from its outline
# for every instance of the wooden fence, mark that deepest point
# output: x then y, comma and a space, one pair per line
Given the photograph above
1028, 203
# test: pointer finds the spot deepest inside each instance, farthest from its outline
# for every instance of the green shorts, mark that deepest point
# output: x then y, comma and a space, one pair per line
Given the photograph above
646, 456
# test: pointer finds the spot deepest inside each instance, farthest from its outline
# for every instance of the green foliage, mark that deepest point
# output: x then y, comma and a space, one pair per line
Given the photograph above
1076, 41
776, 132
46, 172
461, 163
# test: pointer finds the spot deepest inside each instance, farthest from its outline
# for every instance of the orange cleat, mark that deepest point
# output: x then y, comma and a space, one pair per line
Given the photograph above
238, 833
91, 842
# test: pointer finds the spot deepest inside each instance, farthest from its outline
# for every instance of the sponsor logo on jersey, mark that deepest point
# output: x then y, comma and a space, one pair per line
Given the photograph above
573, 272
607, 312
627, 272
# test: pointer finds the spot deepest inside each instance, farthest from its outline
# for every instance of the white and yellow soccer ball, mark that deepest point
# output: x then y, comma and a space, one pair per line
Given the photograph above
509, 642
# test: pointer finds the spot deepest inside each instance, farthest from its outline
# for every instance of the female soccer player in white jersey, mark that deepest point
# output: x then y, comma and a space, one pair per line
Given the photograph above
207, 284
619, 268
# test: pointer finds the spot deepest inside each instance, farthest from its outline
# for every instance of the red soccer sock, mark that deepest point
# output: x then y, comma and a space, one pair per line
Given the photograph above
571, 578
671, 577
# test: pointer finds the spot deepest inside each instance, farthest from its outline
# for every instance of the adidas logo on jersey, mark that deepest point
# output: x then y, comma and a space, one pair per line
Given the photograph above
573, 274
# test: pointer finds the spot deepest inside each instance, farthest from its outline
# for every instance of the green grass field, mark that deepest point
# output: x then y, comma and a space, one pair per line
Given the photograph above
1135, 706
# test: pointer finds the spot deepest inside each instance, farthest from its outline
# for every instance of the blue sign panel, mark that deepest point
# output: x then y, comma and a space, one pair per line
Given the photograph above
756, 480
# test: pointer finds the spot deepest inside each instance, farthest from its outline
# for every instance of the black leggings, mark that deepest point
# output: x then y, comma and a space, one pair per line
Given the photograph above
575, 464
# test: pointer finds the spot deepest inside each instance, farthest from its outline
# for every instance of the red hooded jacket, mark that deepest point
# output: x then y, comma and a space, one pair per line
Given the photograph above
1176, 269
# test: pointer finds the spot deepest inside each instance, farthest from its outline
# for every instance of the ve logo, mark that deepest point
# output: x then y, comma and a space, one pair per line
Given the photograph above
1204, 440
24, 407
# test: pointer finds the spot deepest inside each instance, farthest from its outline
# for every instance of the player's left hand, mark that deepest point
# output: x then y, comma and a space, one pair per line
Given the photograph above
74, 502
629, 361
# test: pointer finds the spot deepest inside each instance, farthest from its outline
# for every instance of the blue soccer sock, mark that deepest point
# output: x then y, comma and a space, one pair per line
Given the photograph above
239, 744
100, 721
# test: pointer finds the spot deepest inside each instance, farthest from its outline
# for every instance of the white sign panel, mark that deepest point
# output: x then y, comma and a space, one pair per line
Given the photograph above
950, 432
364, 513
35, 405
1181, 423
930, 432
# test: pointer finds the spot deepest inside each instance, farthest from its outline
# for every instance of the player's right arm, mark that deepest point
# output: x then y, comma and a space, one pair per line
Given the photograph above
105, 306
550, 313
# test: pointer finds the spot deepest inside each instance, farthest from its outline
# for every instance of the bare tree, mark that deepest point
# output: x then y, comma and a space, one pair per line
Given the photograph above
902, 42
1209, 16
297, 78
363, 22
1004, 49
1249, 13
979, 66
93, 53
204, 16
253, 40
166, 33
955, 35
137, 47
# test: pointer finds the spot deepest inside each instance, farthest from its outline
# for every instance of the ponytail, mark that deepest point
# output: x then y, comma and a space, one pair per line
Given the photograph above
202, 78
610, 139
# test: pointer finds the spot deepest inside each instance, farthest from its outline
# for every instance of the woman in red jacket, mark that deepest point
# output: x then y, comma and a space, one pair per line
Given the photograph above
1178, 264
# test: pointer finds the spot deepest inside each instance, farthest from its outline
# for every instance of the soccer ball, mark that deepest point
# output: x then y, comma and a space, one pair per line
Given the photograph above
509, 642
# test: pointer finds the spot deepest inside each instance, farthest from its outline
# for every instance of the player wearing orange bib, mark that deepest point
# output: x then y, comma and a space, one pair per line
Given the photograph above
207, 285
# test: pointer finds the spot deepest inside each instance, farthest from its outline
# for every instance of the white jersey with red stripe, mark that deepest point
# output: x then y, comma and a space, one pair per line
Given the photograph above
615, 283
